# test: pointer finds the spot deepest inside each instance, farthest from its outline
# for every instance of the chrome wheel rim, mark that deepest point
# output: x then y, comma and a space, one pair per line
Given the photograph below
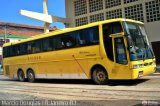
30, 76
101, 76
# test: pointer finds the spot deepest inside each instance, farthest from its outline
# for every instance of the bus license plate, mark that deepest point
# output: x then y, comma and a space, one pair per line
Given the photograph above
140, 74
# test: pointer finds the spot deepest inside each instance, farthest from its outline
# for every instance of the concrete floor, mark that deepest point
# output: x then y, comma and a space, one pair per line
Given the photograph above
85, 92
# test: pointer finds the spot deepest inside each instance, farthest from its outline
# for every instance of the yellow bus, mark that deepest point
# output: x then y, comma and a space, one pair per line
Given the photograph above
110, 49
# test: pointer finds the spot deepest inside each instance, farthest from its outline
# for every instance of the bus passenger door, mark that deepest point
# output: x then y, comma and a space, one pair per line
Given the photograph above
121, 63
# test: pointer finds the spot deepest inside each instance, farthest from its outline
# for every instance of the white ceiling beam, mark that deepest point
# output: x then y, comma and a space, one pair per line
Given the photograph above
44, 17
60, 19
37, 16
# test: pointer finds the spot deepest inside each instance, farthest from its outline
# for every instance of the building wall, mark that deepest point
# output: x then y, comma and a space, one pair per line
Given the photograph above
12, 32
148, 11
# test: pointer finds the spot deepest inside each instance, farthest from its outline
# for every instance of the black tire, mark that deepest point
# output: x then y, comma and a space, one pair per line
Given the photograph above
21, 76
31, 76
100, 76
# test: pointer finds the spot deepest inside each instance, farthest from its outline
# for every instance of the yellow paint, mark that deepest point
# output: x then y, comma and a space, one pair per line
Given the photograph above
75, 60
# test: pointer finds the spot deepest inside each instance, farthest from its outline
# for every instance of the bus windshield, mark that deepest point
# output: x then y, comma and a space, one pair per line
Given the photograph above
138, 42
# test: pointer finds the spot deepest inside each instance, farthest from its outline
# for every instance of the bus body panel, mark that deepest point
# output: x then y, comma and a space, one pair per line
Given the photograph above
145, 70
74, 63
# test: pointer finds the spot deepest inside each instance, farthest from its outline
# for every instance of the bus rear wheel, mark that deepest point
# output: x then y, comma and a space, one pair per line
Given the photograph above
31, 76
100, 76
21, 76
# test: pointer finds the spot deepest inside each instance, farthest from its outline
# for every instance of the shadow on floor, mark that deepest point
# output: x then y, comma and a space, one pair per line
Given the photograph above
86, 82
90, 82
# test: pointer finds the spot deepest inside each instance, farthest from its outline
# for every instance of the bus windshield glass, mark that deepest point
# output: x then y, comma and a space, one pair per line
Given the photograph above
138, 42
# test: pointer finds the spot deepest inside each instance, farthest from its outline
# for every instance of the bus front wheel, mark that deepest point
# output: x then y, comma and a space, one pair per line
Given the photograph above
21, 76
100, 76
31, 76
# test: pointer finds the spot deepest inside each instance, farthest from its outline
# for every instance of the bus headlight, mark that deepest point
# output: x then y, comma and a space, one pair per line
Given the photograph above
138, 66
154, 63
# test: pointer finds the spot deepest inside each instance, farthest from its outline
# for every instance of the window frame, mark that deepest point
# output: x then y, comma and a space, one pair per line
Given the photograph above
108, 39
31, 44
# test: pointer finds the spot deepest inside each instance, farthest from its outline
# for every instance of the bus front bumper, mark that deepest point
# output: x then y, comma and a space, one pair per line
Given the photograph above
140, 72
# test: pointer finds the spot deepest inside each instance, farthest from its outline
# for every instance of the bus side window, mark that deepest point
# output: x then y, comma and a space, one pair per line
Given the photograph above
50, 46
69, 40
47, 44
94, 35
81, 38
108, 29
117, 28
53, 40
121, 57
59, 44
17, 49
29, 47
23, 49
13, 51
6, 52
36, 46
33, 49
9, 51
89, 36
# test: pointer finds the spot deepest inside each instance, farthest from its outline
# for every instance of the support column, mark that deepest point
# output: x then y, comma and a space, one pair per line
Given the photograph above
45, 11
